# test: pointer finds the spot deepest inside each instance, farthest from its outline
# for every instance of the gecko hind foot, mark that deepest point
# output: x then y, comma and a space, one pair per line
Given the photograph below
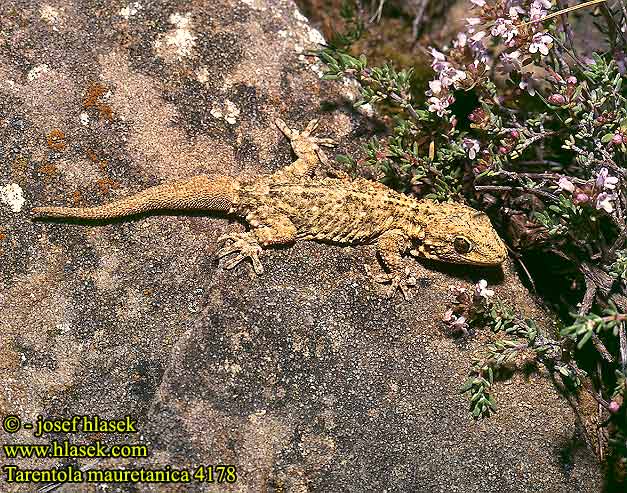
304, 142
309, 131
244, 245
306, 135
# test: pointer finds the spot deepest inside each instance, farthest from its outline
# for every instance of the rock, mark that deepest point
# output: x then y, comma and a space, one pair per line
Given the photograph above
304, 379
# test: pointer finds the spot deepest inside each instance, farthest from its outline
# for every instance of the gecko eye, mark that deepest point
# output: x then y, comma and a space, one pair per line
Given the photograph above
462, 245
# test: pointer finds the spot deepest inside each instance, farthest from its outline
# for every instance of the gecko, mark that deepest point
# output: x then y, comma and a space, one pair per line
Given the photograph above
298, 203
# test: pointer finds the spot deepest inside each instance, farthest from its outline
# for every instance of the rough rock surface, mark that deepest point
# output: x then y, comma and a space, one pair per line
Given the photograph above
305, 379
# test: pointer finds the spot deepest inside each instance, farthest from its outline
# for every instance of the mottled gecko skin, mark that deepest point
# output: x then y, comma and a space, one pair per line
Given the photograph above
293, 204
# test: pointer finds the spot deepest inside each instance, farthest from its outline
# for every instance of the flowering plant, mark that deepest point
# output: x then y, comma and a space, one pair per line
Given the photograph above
519, 121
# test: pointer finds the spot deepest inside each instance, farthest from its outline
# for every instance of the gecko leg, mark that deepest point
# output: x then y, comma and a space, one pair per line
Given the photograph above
390, 247
245, 246
268, 229
306, 147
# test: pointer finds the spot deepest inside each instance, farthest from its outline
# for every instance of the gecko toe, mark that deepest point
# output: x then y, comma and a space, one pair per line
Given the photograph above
233, 261
287, 131
227, 250
257, 264
226, 237
399, 281
405, 289
323, 141
310, 128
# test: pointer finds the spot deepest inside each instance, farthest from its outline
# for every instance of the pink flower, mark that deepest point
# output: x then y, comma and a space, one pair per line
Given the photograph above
455, 322
565, 184
478, 36
604, 201
437, 56
460, 41
546, 4
515, 11
440, 105
456, 290
481, 289
530, 83
472, 147
541, 42
538, 9
450, 76
447, 74
510, 62
504, 29
435, 86
606, 181
460, 324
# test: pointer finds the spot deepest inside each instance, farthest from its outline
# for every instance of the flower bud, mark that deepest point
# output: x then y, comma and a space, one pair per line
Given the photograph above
581, 198
480, 168
479, 116
557, 100
614, 407
571, 81
488, 200
618, 139
515, 134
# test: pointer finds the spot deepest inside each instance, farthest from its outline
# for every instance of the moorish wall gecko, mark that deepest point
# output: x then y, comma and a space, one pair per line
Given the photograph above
294, 204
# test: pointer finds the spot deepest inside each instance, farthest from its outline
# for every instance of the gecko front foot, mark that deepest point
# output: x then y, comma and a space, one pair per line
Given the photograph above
402, 281
244, 245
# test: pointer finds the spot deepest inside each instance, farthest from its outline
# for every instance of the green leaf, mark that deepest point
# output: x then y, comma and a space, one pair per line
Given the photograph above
467, 386
563, 370
584, 339
492, 402
607, 137
477, 395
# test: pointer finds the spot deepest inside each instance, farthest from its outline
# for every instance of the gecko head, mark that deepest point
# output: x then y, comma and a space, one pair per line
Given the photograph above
458, 234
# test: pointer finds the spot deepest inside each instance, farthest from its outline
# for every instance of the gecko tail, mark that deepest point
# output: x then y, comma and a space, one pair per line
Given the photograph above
197, 193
